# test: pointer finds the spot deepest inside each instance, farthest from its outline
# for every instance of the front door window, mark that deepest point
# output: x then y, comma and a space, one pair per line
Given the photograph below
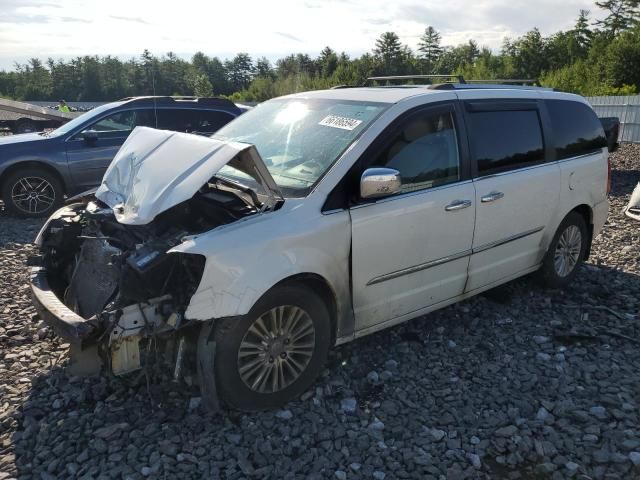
120, 124
424, 151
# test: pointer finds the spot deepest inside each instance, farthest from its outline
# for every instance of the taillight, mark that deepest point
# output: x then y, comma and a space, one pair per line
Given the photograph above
608, 176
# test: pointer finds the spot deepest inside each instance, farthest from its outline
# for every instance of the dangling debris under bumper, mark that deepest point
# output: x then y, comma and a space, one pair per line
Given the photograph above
66, 323
114, 336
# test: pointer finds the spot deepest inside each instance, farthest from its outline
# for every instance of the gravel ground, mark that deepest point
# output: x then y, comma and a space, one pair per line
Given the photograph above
518, 383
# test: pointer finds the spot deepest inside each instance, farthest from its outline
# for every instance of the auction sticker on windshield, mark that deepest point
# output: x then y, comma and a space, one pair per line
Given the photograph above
340, 122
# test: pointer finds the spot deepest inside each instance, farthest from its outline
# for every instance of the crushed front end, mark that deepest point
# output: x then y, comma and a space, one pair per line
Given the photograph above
112, 289
107, 276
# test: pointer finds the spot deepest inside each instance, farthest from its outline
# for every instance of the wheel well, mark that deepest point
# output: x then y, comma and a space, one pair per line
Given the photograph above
31, 164
318, 285
586, 213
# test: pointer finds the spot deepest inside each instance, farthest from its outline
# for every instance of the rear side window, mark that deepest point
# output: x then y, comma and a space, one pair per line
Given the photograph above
192, 120
175, 119
576, 128
211, 121
505, 140
145, 118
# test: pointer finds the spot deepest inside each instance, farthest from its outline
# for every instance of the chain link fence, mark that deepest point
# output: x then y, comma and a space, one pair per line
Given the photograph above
626, 108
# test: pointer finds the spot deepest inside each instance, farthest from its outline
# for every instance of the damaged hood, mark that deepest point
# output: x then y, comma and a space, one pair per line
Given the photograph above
155, 170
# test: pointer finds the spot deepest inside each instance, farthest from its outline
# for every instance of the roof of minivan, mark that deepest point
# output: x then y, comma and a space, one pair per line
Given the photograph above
396, 94
368, 94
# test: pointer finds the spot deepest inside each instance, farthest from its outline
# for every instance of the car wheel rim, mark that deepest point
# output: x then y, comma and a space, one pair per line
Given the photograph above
33, 194
276, 349
567, 252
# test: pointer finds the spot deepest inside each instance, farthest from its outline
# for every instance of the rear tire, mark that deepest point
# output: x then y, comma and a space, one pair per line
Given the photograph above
32, 193
268, 357
566, 252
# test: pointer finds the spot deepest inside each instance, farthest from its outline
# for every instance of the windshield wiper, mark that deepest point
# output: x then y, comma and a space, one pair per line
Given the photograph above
301, 180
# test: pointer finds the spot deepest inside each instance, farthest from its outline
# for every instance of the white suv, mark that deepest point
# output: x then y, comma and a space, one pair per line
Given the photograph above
315, 219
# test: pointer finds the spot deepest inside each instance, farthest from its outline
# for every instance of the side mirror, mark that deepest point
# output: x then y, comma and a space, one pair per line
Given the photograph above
89, 136
379, 182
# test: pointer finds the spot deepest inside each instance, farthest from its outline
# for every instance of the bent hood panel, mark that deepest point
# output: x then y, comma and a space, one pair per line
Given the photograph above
155, 170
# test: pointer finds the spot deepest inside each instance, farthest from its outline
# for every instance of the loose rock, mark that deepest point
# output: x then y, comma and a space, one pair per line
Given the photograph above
284, 415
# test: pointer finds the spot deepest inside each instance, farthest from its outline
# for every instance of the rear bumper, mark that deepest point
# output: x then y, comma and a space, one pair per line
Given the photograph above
64, 321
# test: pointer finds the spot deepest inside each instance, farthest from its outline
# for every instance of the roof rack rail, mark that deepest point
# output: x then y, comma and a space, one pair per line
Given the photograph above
510, 81
458, 78
167, 99
158, 97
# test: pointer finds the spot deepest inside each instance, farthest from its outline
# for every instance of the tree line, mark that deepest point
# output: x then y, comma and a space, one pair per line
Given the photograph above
596, 57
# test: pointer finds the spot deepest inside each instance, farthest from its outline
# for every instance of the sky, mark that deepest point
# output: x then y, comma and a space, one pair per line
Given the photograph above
68, 28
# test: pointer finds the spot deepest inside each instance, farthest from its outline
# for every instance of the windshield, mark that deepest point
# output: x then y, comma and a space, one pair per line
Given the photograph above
79, 120
299, 139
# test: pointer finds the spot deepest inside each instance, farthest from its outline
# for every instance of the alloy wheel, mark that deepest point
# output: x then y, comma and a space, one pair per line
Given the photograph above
567, 253
276, 349
33, 194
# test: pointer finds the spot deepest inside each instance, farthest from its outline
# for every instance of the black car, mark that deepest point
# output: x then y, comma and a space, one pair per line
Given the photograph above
38, 169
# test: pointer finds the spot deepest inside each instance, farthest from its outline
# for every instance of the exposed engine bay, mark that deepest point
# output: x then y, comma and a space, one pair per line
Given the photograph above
120, 277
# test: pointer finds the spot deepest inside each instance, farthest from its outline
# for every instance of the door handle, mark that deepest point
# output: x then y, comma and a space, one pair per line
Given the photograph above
492, 197
457, 205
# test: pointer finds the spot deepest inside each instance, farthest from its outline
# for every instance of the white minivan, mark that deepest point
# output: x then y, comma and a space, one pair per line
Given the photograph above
315, 219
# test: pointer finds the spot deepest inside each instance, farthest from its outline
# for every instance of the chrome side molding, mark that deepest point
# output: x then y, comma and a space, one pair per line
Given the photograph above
418, 268
512, 238
451, 258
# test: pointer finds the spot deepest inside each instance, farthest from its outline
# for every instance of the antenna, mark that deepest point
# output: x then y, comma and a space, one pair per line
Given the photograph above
153, 85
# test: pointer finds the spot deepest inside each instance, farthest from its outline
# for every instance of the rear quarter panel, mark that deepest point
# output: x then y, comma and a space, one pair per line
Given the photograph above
583, 181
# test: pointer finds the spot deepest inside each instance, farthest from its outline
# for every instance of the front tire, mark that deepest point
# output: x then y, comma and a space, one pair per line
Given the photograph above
270, 356
566, 252
32, 192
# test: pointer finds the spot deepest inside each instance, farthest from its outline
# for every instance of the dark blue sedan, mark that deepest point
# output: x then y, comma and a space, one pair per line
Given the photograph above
38, 169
